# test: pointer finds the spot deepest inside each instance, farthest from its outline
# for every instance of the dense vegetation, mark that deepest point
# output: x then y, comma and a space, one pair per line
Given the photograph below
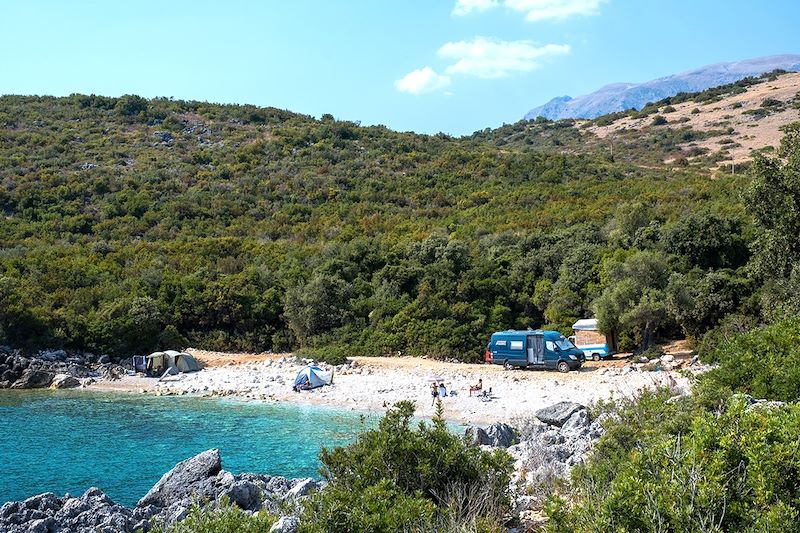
716, 460
709, 462
131, 224
398, 477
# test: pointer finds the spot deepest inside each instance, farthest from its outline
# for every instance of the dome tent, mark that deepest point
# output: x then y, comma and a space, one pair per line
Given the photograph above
172, 362
312, 377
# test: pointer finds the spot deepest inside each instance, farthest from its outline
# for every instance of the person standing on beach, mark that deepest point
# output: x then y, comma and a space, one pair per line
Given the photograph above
434, 393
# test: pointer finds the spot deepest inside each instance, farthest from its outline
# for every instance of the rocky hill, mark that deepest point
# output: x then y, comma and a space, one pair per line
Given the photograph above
623, 96
719, 127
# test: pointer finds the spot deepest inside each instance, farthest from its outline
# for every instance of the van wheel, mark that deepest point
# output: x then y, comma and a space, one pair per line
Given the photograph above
595, 357
506, 366
563, 367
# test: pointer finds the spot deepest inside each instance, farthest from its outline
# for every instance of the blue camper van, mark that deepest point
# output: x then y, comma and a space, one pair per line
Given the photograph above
534, 349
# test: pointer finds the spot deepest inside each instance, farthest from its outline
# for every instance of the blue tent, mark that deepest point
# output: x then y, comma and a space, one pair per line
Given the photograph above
312, 377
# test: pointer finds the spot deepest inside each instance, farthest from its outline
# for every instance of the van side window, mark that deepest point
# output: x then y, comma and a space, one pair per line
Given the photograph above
550, 345
516, 345
500, 343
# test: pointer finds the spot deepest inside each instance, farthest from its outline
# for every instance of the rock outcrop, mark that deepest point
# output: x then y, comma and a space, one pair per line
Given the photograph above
547, 451
286, 524
186, 478
93, 511
199, 479
65, 381
53, 368
558, 414
497, 435
32, 378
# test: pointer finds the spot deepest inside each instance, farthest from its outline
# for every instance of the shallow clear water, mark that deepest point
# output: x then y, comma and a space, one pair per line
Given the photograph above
68, 441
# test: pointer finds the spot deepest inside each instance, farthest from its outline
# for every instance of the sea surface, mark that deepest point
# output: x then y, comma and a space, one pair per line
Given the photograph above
68, 441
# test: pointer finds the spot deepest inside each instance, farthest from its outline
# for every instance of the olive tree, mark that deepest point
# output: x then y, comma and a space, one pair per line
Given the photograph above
633, 297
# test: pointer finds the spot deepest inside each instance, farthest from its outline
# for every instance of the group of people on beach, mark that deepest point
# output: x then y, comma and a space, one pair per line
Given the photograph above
438, 390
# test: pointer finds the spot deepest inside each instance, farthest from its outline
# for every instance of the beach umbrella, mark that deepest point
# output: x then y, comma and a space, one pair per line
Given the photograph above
432, 379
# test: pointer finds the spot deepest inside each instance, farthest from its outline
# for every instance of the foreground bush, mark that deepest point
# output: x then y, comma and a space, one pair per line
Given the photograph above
761, 363
736, 471
227, 519
410, 477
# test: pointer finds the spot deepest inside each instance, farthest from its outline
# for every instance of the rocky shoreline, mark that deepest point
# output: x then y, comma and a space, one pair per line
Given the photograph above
199, 479
54, 368
544, 449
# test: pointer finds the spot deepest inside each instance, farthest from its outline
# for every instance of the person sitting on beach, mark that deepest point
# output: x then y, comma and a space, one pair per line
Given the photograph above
478, 386
442, 390
434, 393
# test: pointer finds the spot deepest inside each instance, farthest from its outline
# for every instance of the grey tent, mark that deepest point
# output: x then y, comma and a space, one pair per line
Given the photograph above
159, 363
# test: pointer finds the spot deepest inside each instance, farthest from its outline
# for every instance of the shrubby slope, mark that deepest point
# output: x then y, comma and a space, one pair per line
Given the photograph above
130, 224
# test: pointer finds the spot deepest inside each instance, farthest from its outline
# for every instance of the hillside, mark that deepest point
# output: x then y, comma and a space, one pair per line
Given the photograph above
623, 96
708, 129
133, 223
730, 129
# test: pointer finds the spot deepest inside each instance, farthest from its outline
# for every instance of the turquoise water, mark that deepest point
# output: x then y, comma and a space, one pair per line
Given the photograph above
68, 441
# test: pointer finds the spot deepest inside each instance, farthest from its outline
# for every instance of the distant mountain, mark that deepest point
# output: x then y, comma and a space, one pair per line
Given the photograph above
622, 96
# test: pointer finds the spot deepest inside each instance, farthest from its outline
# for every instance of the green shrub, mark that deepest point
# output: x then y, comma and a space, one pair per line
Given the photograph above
406, 477
703, 472
332, 354
761, 363
653, 352
227, 519
378, 507
658, 120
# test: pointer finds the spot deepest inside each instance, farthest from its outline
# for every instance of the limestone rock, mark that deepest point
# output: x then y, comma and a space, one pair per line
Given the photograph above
558, 414
302, 488
286, 524
497, 435
244, 494
179, 482
34, 379
65, 381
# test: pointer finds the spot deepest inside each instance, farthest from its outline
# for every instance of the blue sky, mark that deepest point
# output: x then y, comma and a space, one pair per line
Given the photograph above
425, 65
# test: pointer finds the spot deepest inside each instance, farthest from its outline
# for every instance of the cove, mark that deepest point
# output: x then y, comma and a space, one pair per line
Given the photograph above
68, 441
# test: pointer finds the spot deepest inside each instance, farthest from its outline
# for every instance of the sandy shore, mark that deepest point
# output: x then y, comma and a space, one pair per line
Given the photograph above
374, 384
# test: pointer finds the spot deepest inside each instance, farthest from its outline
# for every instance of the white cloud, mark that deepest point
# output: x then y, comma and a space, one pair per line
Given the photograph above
422, 80
488, 58
536, 10
465, 7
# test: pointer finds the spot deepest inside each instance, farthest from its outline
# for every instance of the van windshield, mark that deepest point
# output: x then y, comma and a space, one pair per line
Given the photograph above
565, 344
